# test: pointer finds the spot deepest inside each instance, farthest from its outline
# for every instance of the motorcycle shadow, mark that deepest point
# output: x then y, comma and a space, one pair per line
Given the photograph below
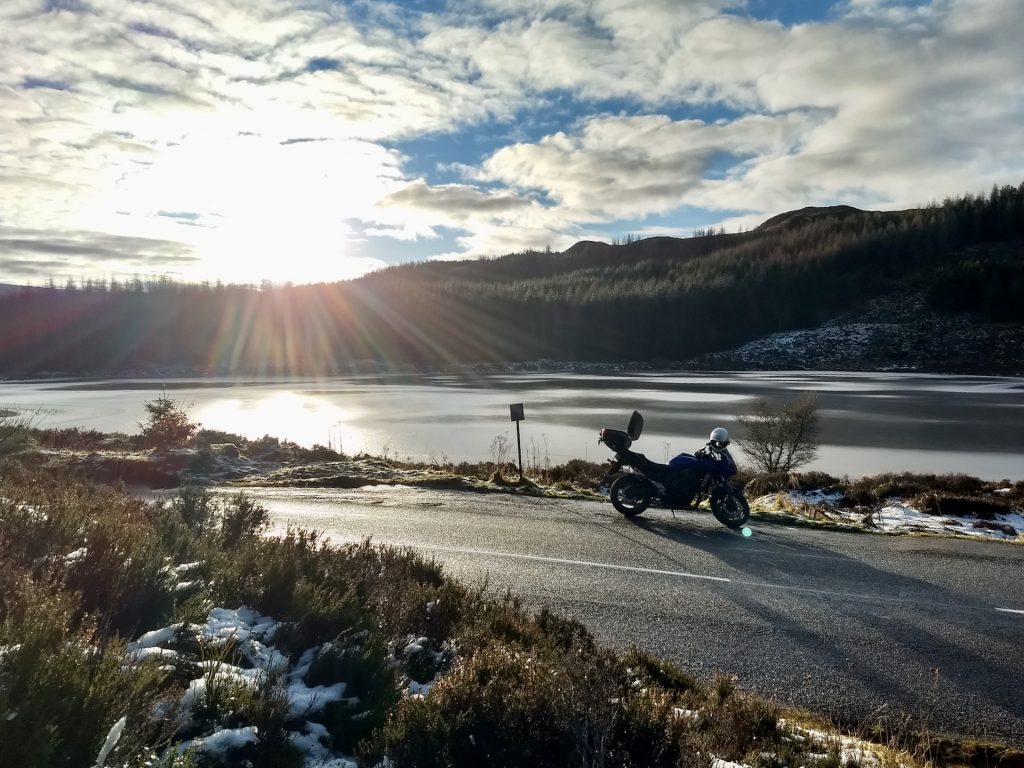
684, 531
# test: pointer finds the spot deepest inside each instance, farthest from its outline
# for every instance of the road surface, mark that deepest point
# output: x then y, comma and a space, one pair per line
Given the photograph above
847, 625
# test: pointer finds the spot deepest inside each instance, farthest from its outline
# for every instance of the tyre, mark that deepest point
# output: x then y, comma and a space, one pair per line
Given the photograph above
729, 507
630, 495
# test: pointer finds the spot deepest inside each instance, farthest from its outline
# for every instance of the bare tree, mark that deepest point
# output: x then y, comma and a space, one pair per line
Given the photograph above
780, 438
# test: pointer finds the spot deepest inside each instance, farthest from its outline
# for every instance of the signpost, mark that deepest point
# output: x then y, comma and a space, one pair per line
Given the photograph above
517, 416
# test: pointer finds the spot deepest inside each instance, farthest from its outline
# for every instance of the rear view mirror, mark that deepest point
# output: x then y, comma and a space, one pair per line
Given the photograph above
636, 426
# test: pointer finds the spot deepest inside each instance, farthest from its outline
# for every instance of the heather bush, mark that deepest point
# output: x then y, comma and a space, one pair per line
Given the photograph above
362, 662
64, 683
242, 518
761, 484
937, 503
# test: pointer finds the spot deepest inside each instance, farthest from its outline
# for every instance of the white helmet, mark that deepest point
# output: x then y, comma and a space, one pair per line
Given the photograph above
719, 439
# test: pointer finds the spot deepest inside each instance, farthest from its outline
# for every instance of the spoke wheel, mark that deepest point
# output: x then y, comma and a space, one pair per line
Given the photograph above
630, 495
729, 507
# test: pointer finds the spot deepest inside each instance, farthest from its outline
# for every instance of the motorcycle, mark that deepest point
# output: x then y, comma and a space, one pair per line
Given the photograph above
684, 483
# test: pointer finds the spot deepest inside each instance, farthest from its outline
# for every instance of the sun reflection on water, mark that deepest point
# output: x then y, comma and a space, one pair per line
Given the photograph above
305, 419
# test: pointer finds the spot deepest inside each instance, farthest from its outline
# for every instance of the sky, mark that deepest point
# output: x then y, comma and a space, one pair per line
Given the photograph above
317, 140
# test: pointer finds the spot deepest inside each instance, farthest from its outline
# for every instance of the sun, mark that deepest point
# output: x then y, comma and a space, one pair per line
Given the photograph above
253, 205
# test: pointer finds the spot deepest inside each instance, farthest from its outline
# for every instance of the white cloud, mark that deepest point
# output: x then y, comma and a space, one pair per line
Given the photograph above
917, 105
268, 119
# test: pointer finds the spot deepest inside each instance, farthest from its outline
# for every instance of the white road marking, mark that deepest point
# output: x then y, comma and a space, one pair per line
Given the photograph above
590, 563
874, 598
1010, 610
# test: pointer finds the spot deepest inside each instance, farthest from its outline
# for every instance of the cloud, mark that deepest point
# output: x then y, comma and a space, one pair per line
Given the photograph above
913, 106
270, 121
623, 167
457, 201
32, 254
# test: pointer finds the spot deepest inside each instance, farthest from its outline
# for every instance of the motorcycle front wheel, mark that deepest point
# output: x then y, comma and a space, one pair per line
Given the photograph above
630, 495
729, 507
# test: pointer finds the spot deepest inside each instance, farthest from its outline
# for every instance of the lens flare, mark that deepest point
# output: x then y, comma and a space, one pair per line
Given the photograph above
747, 533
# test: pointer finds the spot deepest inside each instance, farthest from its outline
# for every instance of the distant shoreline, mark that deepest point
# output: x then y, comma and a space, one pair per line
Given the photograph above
372, 368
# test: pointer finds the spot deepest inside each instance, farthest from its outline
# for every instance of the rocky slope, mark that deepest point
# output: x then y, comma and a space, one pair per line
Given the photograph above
895, 332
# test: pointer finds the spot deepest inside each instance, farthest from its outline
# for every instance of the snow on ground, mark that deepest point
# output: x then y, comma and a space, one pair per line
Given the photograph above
894, 516
250, 661
851, 751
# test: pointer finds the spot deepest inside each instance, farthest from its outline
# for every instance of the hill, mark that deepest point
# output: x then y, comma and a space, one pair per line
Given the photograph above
957, 266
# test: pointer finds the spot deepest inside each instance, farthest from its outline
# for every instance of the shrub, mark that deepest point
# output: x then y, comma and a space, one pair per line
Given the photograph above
759, 485
207, 437
585, 474
321, 453
196, 506
79, 439
65, 685
876, 488
167, 424
960, 506
14, 434
362, 663
242, 518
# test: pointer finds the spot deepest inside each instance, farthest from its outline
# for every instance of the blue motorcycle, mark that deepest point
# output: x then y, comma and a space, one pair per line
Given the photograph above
684, 483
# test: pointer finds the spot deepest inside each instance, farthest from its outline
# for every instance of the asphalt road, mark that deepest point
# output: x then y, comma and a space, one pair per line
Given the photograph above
849, 626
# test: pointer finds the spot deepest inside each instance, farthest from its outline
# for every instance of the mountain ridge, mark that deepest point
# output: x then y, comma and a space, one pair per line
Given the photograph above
653, 300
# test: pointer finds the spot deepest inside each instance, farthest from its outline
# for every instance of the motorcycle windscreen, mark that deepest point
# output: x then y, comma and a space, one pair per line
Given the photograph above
636, 425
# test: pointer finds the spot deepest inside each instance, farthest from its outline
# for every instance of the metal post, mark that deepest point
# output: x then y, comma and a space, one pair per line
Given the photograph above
516, 411
519, 444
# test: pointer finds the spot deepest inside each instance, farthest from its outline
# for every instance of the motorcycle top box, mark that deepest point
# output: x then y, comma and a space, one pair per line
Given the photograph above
618, 440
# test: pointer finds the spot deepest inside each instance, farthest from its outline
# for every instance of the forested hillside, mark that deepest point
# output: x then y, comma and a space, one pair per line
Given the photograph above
655, 300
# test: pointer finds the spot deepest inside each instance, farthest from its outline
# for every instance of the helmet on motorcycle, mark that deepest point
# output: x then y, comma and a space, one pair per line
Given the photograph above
719, 439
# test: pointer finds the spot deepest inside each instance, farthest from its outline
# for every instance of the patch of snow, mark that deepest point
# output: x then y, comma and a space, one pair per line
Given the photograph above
186, 567
415, 646
851, 751
895, 516
78, 554
144, 654
1003, 491
113, 736
156, 637
220, 742
815, 497
301, 668
182, 586
5, 649
248, 632
315, 754
309, 744
420, 689
718, 762
303, 700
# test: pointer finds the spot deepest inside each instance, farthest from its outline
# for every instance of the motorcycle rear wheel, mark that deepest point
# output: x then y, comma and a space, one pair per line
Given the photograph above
630, 495
729, 507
